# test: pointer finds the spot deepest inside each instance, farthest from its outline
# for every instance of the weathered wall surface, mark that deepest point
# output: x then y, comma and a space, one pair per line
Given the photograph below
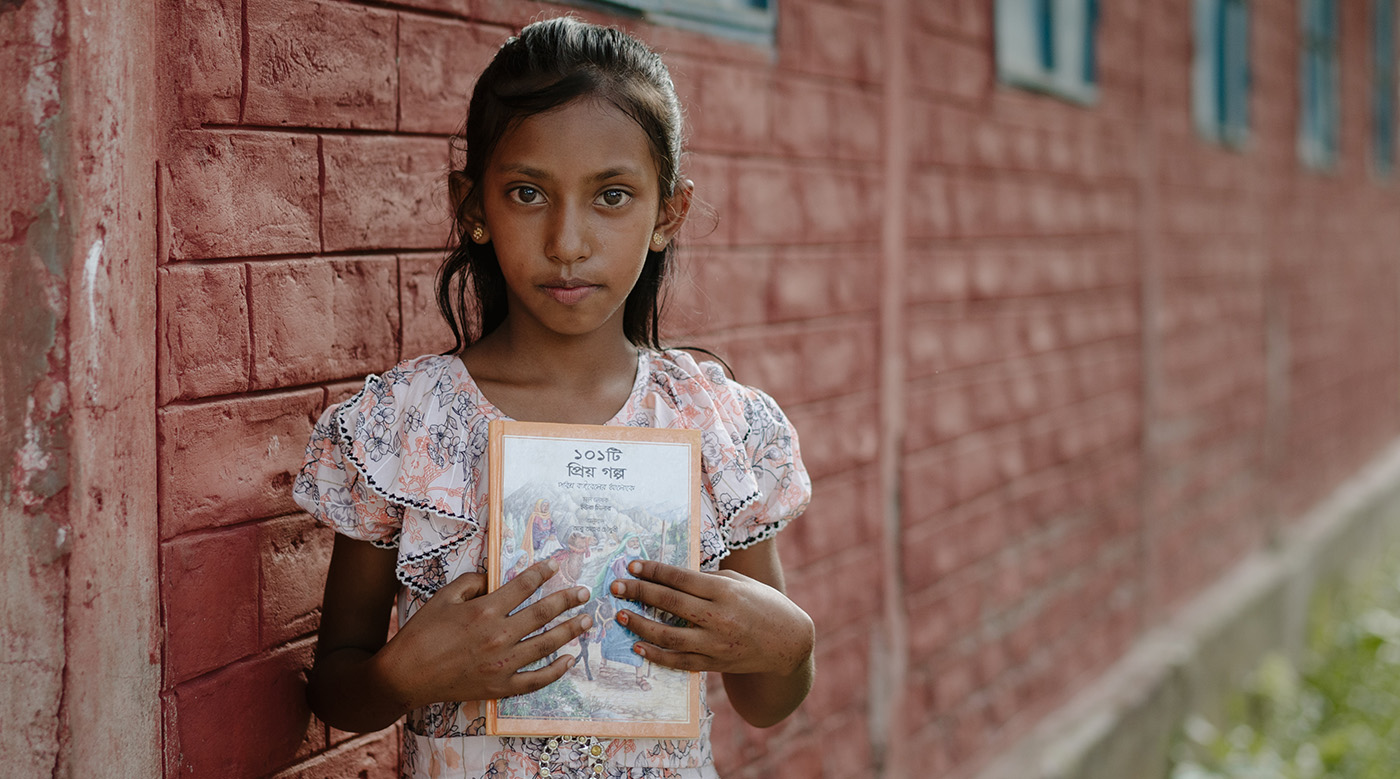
34, 433
77, 452
1057, 369
1087, 359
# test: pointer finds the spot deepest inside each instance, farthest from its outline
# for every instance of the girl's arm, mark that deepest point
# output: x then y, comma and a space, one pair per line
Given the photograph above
739, 622
346, 689
462, 645
765, 699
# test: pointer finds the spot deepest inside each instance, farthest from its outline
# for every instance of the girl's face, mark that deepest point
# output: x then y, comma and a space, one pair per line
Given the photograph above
571, 200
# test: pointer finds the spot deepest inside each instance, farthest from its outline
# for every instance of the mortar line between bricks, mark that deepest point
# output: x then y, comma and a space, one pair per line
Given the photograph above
1026, 243
427, 13
328, 255
242, 523
252, 368
253, 395
1032, 366
1079, 411
398, 299
260, 583
160, 645
1026, 302
349, 132
244, 46
321, 193
983, 242
787, 328
1017, 173
398, 73
263, 653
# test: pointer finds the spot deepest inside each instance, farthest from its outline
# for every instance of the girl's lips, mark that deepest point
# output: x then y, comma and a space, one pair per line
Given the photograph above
571, 294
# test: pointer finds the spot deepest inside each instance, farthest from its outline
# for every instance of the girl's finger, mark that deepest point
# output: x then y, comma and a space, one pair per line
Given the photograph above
659, 633
529, 681
545, 610
464, 587
521, 587
672, 601
681, 661
550, 641
701, 585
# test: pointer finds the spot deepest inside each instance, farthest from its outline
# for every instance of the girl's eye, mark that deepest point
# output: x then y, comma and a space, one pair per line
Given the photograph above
614, 198
525, 195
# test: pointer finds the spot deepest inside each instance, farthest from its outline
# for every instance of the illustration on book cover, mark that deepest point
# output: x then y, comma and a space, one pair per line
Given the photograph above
594, 499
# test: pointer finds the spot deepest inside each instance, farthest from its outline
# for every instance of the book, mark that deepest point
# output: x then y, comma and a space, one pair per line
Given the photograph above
594, 497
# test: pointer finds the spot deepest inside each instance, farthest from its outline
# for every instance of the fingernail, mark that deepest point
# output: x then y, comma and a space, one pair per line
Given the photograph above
639, 650
573, 661
586, 622
617, 588
635, 568
622, 618
582, 593
551, 565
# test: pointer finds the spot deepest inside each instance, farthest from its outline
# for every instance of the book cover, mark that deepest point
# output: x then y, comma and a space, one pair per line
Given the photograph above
593, 498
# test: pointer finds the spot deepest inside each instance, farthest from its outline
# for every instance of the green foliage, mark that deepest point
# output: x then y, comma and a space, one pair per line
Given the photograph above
1335, 715
561, 698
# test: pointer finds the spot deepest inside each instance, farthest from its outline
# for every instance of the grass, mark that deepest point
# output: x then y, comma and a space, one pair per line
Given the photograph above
1334, 714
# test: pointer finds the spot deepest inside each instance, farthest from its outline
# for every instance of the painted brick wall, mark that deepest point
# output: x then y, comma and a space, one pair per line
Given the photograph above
1022, 456
1129, 355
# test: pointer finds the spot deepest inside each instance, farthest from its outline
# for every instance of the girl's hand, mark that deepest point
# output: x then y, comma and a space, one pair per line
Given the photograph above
465, 645
736, 624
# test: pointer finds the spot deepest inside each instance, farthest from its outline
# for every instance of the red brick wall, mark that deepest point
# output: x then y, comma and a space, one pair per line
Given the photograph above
1022, 454
1129, 354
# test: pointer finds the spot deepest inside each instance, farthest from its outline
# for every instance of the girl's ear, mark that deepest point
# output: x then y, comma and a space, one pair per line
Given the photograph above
459, 189
672, 215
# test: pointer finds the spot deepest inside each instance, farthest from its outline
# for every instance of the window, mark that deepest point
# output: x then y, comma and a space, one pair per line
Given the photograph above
1220, 71
1317, 141
1384, 84
750, 20
1048, 46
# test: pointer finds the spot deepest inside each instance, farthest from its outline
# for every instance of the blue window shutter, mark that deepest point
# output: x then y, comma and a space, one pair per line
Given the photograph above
1045, 29
1235, 41
1320, 98
1220, 51
1384, 84
1205, 68
1333, 77
1091, 26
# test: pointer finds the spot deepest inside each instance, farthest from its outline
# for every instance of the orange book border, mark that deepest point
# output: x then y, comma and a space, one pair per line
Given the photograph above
496, 475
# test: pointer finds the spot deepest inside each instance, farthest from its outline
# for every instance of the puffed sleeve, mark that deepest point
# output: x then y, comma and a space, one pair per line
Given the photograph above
783, 488
331, 489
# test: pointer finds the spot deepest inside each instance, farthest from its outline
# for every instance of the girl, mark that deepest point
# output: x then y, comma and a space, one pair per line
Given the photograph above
566, 208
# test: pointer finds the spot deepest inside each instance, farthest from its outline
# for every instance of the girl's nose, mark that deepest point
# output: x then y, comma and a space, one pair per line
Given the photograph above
568, 241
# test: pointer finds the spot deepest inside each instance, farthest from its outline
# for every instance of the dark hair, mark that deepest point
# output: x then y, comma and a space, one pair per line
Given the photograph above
549, 64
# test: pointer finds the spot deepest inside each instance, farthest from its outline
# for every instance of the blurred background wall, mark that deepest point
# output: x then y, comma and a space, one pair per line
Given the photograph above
1074, 304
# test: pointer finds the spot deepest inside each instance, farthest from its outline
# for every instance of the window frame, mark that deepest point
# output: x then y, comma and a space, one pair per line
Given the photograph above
1049, 46
733, 19
1319, 86
1222, 77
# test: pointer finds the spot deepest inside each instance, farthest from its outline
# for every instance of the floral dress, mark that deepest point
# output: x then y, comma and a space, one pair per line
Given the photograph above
402, 465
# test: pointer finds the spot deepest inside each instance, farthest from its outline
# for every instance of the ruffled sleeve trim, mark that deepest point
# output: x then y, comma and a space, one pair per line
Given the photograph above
751, 463
334, 493
417, 435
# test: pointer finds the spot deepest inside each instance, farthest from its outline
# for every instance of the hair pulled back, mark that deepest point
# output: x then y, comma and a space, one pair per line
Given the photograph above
549, 64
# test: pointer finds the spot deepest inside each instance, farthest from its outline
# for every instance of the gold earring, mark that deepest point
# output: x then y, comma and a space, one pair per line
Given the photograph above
478, 234
658, 239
